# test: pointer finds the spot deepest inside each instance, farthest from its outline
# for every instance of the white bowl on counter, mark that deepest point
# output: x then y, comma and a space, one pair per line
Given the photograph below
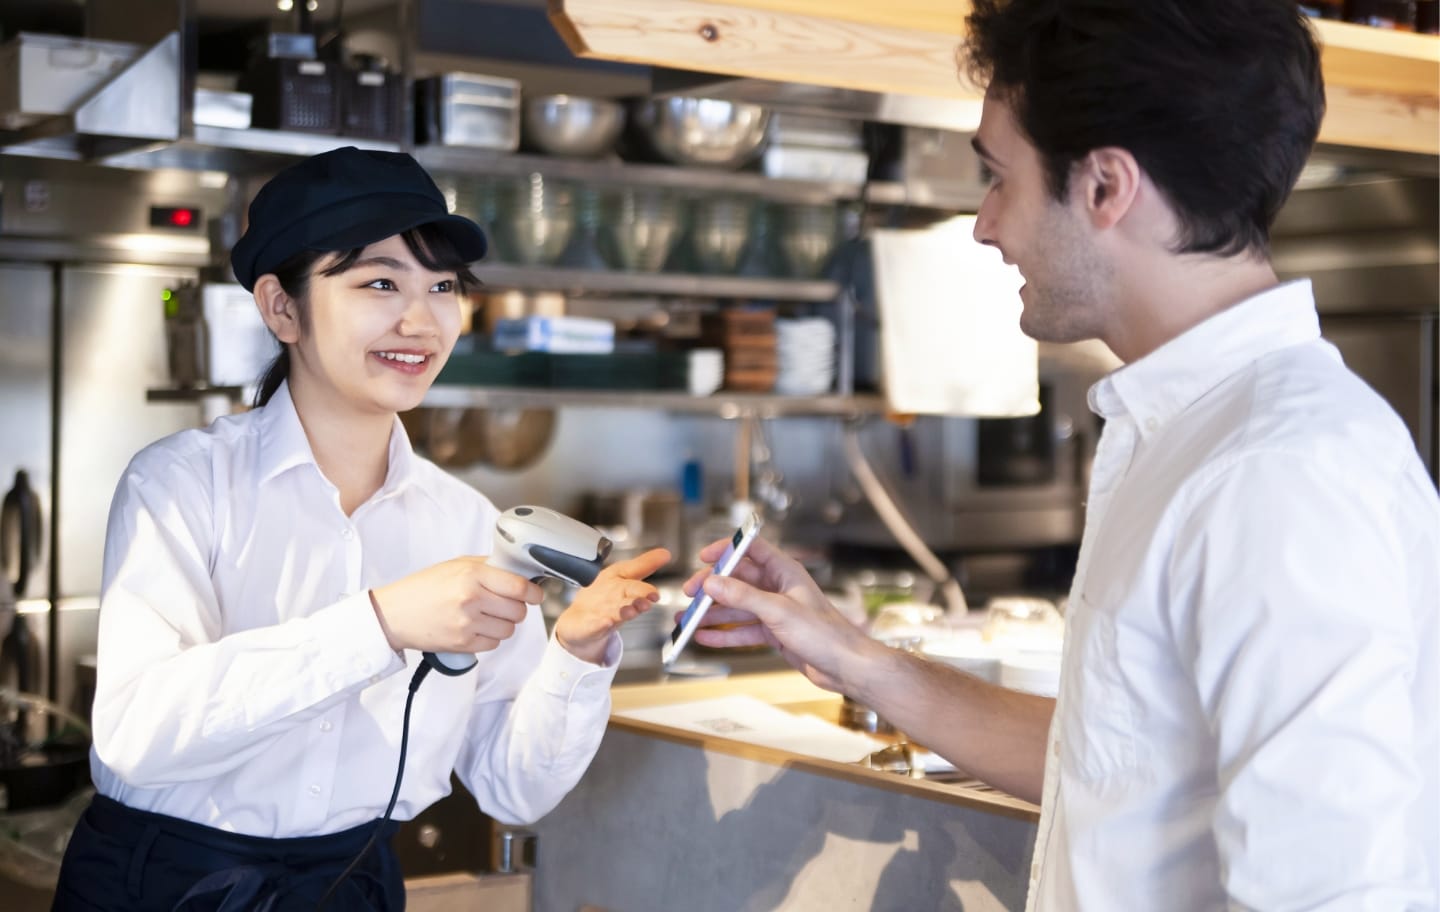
967, 651
1033, 672
1022, 662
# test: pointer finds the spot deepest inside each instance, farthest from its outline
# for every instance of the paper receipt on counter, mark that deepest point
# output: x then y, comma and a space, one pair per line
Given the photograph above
742, 718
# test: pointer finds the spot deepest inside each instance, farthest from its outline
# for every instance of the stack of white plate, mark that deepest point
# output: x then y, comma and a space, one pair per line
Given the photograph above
706, 371
805, 349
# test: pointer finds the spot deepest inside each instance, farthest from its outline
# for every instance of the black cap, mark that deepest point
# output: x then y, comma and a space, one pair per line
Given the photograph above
340, 200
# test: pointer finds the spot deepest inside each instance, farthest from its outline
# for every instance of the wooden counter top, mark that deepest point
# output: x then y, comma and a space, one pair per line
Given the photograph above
792, 692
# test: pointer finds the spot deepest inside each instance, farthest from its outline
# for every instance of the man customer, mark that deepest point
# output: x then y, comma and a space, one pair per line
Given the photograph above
1249, 711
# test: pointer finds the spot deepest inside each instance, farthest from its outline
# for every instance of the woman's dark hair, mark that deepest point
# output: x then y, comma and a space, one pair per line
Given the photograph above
1219, 101
431, 247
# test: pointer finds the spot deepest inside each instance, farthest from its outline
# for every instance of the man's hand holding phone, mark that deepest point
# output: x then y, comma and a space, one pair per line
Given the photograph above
725, 563
771, 600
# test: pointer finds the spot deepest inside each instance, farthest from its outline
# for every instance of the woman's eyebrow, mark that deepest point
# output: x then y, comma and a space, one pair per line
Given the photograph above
387, 262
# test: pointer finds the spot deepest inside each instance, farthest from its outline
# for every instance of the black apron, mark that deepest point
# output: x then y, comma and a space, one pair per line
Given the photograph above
120, 859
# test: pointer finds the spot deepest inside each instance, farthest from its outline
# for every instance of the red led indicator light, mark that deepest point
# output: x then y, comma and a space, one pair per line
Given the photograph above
175, 217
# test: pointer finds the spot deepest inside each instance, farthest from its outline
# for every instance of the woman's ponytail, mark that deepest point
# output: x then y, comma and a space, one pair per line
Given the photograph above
277, 373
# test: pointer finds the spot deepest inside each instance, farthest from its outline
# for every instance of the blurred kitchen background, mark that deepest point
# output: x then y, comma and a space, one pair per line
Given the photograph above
686, 307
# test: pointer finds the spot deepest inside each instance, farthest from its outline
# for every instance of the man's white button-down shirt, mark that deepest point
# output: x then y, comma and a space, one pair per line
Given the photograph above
1249, 704
244, 681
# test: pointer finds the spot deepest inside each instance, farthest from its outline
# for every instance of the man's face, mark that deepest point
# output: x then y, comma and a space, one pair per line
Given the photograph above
380, 331
1050, 241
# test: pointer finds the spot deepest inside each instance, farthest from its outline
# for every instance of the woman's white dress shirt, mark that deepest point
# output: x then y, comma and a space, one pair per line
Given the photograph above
1249, 713
244, 681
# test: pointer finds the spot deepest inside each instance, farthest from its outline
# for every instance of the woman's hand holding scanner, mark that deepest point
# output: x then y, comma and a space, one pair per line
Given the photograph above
531, 543
771, 600
618, 594
462, 605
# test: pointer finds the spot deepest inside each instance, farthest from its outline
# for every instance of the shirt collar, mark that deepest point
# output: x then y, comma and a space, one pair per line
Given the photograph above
285, 446
283, 442
1164, 383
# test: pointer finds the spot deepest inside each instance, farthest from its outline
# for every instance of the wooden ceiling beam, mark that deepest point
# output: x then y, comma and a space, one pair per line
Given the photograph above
1383, 87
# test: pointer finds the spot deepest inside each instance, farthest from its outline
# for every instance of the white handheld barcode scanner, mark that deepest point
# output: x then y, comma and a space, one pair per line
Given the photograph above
536, 543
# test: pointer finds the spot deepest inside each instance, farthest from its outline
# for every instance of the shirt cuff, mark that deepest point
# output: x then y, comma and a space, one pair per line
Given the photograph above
357, 651
564, 675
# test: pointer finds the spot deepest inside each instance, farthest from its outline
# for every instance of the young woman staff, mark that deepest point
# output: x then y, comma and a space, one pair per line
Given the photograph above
271, 582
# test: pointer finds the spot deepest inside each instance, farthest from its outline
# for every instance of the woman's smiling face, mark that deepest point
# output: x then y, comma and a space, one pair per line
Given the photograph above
377, 334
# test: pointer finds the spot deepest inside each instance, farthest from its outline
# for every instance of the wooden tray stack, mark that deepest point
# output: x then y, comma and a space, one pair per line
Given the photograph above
747, 337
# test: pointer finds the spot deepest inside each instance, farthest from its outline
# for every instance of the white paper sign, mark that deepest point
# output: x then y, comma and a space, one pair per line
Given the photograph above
950, 325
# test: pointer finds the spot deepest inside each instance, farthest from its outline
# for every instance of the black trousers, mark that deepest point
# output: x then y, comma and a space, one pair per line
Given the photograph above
120, 859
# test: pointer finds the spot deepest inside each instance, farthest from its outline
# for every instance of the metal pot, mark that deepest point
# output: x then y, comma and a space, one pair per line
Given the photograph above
517, 438
461, 437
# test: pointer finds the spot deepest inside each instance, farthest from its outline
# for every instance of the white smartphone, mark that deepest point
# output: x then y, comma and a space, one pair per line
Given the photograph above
690, 619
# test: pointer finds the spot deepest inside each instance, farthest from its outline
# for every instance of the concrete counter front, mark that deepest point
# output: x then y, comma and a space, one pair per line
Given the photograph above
669, 819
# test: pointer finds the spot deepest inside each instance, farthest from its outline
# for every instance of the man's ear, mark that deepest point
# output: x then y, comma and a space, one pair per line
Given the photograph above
277, 309
1107, 181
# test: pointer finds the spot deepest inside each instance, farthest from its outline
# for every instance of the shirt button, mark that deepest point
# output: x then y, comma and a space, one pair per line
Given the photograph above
1151, 424
325, 725
564, 675
347, 533
1056, 748
314, 791
374, 679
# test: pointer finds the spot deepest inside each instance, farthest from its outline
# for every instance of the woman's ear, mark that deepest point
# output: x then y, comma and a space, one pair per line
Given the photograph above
277, 309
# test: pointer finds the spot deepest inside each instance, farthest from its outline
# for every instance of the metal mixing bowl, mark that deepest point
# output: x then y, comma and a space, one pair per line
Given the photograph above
572, 125
536, 220
719, 228
645, 226
808, 237
702, 131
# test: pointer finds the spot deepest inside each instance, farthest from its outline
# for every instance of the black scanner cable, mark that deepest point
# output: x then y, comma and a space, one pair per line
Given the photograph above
420, 673
577, 569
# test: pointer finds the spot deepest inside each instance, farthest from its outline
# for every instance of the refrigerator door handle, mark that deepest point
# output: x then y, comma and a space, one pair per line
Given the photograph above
20, 532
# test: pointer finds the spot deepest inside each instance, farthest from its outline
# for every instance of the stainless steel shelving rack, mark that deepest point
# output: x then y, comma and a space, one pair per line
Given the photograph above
721, 404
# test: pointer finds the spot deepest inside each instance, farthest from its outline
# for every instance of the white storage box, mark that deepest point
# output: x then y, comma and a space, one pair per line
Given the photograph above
817, 163
222, 109
45, 75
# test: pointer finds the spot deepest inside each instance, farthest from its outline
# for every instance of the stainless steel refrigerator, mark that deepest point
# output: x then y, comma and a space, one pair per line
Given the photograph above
80, 344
